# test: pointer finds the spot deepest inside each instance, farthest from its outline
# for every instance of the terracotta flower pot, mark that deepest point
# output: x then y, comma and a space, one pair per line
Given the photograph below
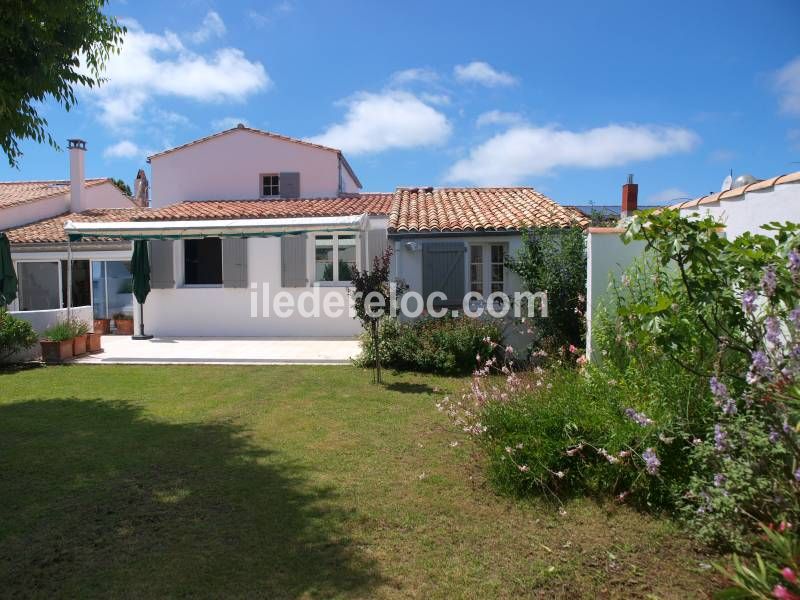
102, 326
56, 352
79, 345
124, 326
93, 342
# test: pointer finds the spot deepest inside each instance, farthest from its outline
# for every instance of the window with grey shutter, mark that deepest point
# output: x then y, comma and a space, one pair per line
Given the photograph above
443, 270
377, 242
162, 272
290, 185
293, 261
234, 262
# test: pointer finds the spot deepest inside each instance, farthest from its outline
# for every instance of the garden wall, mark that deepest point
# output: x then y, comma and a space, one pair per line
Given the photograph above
43, 319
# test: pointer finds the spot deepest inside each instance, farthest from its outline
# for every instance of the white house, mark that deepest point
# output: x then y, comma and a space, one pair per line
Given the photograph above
242, 217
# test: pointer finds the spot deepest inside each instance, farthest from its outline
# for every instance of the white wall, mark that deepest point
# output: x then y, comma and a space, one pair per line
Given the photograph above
607, 257
228, 167
226, 312
44, 319
105, 195
753, 209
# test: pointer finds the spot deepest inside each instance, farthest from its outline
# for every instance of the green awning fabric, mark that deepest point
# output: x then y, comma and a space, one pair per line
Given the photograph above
8, 278
140, 269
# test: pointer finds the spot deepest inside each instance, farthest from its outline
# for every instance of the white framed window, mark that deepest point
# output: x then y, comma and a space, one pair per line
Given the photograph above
335, 257
270, 184
487, 271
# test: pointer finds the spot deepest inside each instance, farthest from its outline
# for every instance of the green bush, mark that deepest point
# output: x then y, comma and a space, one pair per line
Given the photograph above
448, 345
65, 330
15, 335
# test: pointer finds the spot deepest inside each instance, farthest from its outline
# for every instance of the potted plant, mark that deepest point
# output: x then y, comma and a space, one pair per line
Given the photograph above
80, 331
94, 341
57, 342
124, 323
102, 326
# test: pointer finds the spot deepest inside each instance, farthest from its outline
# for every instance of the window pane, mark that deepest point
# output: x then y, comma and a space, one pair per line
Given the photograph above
99, 309
498, 270
203, 261
476, 269
120, 287
270, 185
323, 258
81, 282
38, 286
498, 253
347, 257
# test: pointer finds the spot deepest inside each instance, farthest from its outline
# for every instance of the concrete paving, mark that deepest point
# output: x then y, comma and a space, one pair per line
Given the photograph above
119, 349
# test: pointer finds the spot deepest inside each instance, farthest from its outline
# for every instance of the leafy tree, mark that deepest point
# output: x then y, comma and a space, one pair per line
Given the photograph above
49, 47
123, 187
370, 293
553, 260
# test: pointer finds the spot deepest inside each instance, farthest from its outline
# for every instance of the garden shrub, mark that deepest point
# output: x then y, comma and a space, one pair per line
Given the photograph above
553, 259
447, 345
15, 335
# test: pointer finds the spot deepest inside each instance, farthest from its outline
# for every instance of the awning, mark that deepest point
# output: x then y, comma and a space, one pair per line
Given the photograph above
173, 230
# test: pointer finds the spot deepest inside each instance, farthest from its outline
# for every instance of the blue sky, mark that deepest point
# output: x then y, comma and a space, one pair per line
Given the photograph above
568, 97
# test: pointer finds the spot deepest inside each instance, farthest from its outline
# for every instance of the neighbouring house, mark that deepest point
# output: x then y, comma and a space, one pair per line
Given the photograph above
33, 214
744, 208
243, 216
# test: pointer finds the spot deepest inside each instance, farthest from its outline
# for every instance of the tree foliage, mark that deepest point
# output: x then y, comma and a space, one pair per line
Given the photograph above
122, 186
553, 260
49, 48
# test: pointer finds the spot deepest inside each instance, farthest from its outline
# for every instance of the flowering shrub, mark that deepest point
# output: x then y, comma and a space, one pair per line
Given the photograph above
15, 335
447, 345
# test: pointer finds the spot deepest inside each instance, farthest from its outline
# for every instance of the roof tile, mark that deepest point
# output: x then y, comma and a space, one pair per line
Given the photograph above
14, 193
51, 231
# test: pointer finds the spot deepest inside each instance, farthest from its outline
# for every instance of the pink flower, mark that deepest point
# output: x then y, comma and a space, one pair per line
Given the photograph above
781, 593
573, 349
789, 575
582, 360
524, 468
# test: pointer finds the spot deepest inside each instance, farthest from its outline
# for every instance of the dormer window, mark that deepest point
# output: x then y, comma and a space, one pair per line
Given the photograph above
271, 184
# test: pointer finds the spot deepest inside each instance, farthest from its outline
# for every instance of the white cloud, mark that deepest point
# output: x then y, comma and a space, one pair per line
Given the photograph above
212, 26
526, 150
484, 74
152, 65
498, 117
123, 149
386, 120
787, 82
227, 122
269, 16
416, 74
668, 195
722, 156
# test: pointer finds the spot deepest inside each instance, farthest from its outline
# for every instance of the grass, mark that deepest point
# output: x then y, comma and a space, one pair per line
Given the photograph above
288, 482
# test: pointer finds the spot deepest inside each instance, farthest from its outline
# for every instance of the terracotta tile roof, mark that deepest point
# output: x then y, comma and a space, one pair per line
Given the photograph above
375, 204
277, 136
51, 231
14, 193
477, 209
740, 191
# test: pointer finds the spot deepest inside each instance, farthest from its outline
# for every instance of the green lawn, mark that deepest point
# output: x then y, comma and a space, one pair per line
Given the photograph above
287, 482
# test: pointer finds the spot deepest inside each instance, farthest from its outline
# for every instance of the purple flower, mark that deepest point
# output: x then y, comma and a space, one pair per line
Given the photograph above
797, 475
651, 461
769, 281
749, 301
774, 436
758, 368
794, 262
794, 317
773, 330
720, 438
719, 480
729, 408
719, 389
639, 418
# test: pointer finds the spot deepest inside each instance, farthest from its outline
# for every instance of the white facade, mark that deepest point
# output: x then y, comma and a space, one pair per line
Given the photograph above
229, 166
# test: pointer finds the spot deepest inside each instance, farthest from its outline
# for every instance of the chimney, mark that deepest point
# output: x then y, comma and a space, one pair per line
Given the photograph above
77, 174
630, 196
141, 190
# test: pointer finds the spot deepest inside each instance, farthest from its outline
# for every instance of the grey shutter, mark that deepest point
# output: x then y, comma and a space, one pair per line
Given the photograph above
289, 185
234, 262
443, 270
377, 242
293, 261
162, 272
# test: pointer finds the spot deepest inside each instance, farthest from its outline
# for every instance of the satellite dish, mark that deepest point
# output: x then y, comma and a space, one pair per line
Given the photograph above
726, 183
